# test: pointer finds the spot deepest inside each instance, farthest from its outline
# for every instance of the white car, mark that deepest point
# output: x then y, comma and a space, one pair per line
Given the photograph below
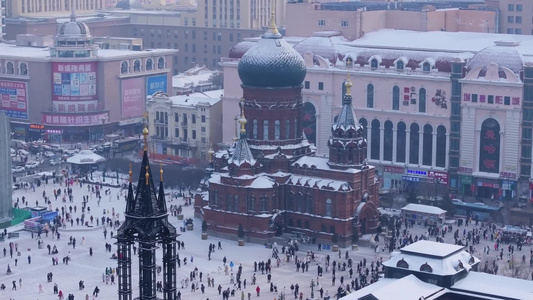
17, 169
53, 162
49, 154
32, 164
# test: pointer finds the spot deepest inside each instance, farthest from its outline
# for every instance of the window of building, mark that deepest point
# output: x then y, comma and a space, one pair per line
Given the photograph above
254, 129
160, 63
518, 31
193, 117
23, 69
307, 85
400, 65
510, 7
507, 100
321, 22
510, 30
203, 129
370, 96
344, 23
321, 86
251, 203
510, 19
328, 208
194, 134
395, 98
203, 118
374, 64
426, 67
518, 20
137, 66
150, 64
422, 100
124, 67
474, 98
276, 130
176, 132
519, 7
265, 130
490, 99
287, 129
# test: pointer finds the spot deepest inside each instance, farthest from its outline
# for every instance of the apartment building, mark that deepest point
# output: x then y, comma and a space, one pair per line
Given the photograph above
51, 8
516, 16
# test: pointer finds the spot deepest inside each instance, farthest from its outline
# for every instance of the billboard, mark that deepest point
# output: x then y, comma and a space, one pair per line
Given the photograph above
74, 119
74, 81
156, 84
132, 97
14, 99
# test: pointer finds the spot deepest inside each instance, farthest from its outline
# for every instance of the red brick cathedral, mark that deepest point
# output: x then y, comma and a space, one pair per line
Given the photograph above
270, 181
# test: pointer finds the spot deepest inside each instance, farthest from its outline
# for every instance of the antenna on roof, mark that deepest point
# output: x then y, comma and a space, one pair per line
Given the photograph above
72, 12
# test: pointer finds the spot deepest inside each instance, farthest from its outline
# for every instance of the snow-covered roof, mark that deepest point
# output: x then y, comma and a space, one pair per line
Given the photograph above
262, 182
184, 81
85, 157
506, 287
320, 163
440, 264
208, 97
320, 183
410, 286
421, 208
242, 153
431, 248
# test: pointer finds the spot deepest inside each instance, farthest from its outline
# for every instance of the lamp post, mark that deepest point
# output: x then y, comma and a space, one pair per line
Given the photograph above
312, 288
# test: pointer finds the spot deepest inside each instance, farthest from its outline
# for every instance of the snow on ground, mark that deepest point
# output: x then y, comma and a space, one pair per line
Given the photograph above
90, 268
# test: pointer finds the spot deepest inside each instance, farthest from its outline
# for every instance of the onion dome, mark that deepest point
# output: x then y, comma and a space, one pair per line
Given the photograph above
505, 54
272, 62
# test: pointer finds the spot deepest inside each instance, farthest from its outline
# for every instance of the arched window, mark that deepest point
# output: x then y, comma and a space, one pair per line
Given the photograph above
375, 146
254, 129
426, 67
236, 206
296, 133
149, 64
265, 130
427, 147
290, 201
287, 129
23, 69
328, 208
137, 66
422, 100
400, 142
251, 203
309, 204
395, 98
301, 203
10, 68
373, 64
160, 63
400, 65
370, 95
413, 144
489, 148
402, 264
276, 130
387, 141
264, 203
124, 67
441, 146
229, 203
426, 268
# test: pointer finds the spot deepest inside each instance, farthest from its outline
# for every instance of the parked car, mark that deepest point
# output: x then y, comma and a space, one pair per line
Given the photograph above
32, 164
53, 162
17, 169
71, 151
49, 154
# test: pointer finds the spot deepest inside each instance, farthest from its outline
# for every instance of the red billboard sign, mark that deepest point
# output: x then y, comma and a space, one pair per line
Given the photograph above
441, 176
132, 97
74, 81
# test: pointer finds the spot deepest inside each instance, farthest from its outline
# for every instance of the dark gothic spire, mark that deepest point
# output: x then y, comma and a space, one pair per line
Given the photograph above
346, 118
161, 199
242, 151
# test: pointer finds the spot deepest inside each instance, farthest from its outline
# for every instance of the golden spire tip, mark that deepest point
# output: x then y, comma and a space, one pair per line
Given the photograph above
130, 173
147, 175
161, 171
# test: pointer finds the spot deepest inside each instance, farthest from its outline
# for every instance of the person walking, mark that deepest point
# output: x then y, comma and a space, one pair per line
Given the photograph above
258, 290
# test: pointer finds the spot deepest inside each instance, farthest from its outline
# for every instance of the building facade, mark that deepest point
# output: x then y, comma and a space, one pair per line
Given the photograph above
424, 131
187, 125
6, 182
514, 15
53, 8
270, 181
75, 89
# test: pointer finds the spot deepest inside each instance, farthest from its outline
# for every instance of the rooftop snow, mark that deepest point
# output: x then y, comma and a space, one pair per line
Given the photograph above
320, 163
210, 97
431, 248
424, 209
506, 287
412, 289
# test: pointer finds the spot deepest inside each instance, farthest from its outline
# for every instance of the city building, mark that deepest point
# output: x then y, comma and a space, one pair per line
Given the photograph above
75, 89
271, 181
354, 19
2, 16
51, 8
514, 15
438, 271
196, 79
186, 125
437, 111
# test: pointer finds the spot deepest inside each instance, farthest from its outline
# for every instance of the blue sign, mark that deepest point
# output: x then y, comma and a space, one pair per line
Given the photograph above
417, 172
156, 84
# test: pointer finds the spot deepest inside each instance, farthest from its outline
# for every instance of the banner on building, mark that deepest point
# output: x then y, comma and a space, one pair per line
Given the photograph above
132, 98
14, 99
156, 84
74, 81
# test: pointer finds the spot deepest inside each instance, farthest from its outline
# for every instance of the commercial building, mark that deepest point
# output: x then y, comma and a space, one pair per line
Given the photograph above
74, 90
514, 15
186, 125
437, 111
51, 8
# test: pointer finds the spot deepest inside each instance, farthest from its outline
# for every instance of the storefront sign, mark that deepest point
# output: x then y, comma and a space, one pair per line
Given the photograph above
13, 99
442, 177
74, 81
74, 120
36, 127
465, 170
390, 169
489, 158
488, 184
417, 172
508, 175
156, 84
